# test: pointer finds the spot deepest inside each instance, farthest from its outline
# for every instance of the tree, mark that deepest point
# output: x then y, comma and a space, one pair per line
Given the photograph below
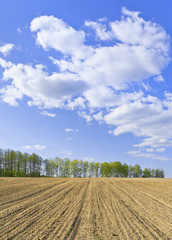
75, 169
105, 169
16, 164
116, 169
65, 168
137, 171
1, 162
130, 171
12, 162
85, 168
152, 173
25, 162
146, 173
97, 168
19, 164
56, 164
159, 173
124, 170
91, 169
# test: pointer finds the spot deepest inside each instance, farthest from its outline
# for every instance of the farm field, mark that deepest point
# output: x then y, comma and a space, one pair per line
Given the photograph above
90, 208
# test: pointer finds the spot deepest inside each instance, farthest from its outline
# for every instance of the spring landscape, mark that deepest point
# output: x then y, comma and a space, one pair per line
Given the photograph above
86, 120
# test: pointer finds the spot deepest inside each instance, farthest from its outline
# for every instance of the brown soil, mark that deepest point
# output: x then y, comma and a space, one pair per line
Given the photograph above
86, 209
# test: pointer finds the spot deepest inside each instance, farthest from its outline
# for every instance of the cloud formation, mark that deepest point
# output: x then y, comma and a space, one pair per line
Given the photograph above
98, 79
148, 155
36, 147
52, 32
48, 114
71, 130
6, 48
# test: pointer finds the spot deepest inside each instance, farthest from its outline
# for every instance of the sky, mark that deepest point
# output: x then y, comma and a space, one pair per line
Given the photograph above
87, 80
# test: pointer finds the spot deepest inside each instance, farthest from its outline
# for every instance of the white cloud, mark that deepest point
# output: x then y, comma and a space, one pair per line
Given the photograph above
27, 147
98, 80
160, 150
45, 90
19, 30
45, 113
55, 33
146, 118
36, 147
5, 64
148, 155
98, 116
71, 130
39, 147
84, 115
133, 29
156, 141
159, 78
88, 69
142, 51
149, 149
6, 48
100, 30
10, 94
76, 103
103, 96
117, 66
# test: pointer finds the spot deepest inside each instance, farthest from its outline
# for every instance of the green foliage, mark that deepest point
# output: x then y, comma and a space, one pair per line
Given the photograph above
146, 173
137, 171
105, 169
85, 168
17, 164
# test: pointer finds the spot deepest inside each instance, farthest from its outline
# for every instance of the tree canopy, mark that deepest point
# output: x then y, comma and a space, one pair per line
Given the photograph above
17, 164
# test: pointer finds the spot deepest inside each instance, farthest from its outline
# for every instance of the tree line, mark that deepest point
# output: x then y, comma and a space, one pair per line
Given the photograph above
17, 164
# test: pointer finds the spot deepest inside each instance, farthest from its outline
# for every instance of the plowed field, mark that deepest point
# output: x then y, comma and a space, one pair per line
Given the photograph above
87, 209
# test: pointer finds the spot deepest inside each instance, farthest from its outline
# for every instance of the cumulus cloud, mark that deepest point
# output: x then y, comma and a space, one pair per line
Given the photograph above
44, 90
149, 118
78, 102
98, 79
36, 147
100, 30
134, 30
6, 48
45, 113
140, 51
117, 66
98, 116
85, 115
10, 94
5, 64
55, 33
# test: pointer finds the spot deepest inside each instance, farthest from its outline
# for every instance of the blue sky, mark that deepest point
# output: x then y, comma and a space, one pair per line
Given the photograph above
87, 80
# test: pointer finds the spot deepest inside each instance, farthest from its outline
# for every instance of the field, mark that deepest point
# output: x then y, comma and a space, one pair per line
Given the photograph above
91, 208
